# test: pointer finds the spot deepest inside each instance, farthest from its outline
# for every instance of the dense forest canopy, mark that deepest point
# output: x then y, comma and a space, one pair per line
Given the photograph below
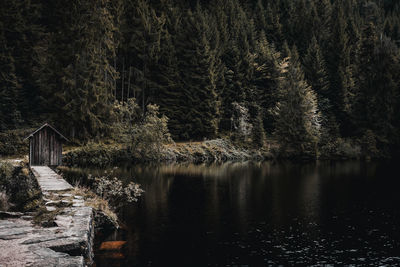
307, 71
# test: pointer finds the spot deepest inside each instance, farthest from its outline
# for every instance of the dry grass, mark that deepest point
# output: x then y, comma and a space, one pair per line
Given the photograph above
94, 201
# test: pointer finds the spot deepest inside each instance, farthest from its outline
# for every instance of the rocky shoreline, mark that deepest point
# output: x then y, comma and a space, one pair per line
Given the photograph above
67, 240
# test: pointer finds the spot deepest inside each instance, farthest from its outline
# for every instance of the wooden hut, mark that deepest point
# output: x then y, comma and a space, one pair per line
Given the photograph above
45, 146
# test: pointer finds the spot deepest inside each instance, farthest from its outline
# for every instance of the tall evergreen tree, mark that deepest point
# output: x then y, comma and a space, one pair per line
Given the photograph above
78, 78
297, 118
317, 76
197, 70
266, 79
341, 71
379, 81
9, 86
142, 31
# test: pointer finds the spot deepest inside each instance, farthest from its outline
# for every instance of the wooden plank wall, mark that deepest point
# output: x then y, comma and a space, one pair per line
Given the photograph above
45, 148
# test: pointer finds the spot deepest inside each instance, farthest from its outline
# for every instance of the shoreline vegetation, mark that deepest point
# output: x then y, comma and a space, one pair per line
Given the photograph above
217, 150
153, 145
20, 196
145, 138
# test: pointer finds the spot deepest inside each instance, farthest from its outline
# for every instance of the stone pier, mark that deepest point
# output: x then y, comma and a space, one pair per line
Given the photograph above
67, 242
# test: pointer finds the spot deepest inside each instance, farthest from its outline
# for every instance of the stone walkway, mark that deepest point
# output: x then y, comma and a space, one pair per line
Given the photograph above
49, 180
66, 243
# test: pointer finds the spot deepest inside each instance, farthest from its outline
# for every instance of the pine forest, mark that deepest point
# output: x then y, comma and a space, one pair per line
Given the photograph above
314, 77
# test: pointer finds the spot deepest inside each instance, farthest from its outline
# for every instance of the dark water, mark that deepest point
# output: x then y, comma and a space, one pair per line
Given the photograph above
258, 214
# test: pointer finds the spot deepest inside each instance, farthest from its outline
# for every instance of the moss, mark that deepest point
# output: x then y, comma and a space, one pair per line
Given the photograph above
20, 187
45, 218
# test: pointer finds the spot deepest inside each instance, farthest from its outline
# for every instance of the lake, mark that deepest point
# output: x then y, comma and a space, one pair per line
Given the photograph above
257, 214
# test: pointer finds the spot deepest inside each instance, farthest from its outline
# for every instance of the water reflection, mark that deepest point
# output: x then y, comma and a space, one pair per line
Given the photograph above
261, 214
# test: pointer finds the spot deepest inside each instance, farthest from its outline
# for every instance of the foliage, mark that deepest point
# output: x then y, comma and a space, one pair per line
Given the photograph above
127, 115
20, 187
113, 190
258, 133
368, 144
317, 75
216, 150
12, 142
240, 123
104, 215
80, 64
95, 154
297, 116
340, 149
149, 136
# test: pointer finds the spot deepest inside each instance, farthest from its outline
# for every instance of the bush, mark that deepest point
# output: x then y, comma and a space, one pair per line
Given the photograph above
148, 137
341, 149
127, 115
12, 142
368, 144
95, 154
20, 187
113, 190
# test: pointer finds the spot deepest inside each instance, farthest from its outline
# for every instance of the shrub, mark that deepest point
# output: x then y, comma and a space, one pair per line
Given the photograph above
113, 190
340, 149
19, 186
95, 154
148, 137
12, 142
368, 144
127, 115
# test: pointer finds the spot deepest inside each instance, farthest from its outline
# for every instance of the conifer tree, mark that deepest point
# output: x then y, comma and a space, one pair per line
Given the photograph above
317, 76
78, 77
239, 62
379, 80
266, 79
341, 71
22, 34
142, 30
322, 31
196, 62
9, 86
274, 26
297, 118
257, 133
169, 86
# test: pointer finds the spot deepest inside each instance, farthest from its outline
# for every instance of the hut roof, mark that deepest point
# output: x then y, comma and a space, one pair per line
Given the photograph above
51, 127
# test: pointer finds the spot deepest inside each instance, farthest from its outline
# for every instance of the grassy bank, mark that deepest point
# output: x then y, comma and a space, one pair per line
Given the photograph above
218, 150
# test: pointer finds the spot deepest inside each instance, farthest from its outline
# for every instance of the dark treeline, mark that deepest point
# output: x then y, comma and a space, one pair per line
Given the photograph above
311, 72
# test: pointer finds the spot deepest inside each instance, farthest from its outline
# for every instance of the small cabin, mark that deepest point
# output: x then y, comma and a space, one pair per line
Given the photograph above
45, 146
